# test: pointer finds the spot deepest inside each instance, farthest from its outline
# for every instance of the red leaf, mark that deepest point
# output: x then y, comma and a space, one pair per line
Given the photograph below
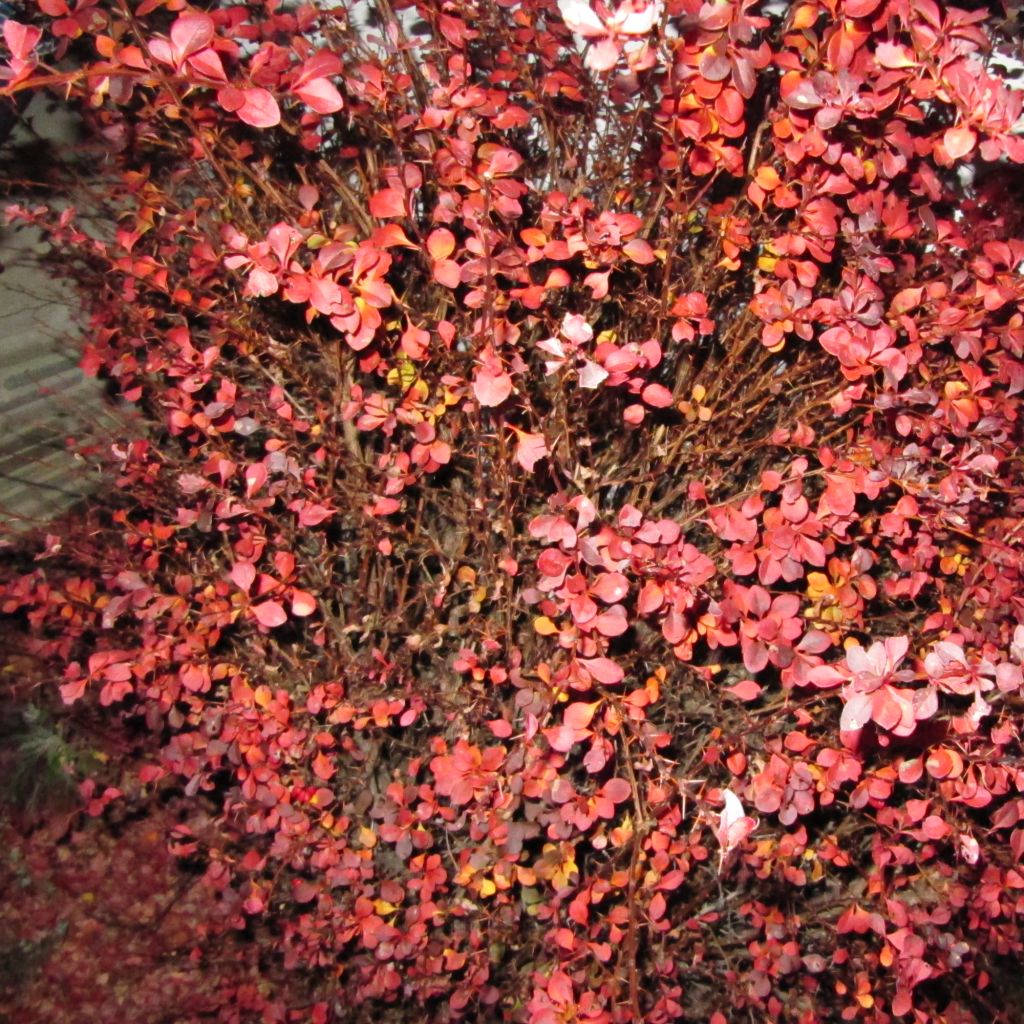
597, 282
799, 93
386, 237
959, 142
656, 909
503, 161
314, 515
255, 478
388, 202
894, 56
860, 8
303, 603
491, 389
191, 33
580, 715
303, 891
208, 63
230, 98
320, 95
269, 614
73, 689
747, 689
323, 768
562, 738
259, 108
617, 790
651, 598
21, 39
657, 395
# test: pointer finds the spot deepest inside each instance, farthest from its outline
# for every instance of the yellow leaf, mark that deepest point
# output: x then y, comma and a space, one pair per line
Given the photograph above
487, 888
402, 376
384, 908
543, 625
367, 837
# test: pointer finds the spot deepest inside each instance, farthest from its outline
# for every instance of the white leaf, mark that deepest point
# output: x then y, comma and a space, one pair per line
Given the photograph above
579, 17
636, 23
592, 375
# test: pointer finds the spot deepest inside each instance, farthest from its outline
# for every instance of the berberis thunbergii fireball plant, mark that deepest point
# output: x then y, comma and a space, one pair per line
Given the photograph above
572, 541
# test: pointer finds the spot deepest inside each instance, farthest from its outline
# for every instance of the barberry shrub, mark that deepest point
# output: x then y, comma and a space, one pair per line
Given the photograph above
574, 533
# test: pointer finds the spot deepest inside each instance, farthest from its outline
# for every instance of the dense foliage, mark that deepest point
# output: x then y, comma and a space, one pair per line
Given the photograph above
573, 536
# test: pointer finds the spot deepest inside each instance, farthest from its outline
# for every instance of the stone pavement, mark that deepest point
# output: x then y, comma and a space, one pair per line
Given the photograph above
44, 397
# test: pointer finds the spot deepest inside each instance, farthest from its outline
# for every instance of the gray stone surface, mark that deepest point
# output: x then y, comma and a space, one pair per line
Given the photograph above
44, 398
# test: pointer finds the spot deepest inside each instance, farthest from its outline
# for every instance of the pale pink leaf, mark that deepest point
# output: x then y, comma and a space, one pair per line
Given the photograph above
576, 329
243, 575
856, 713
604, 670
639, 251
491, 389
612, 622
610, 587
447, 272
303, 603
959, 142
579, 17
592, 375
562, 738
733, 825
20, 39
617, 790
269, 614
530, 449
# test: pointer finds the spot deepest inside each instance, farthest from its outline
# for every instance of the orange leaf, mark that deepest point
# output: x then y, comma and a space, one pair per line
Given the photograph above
440, 244
388, 202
